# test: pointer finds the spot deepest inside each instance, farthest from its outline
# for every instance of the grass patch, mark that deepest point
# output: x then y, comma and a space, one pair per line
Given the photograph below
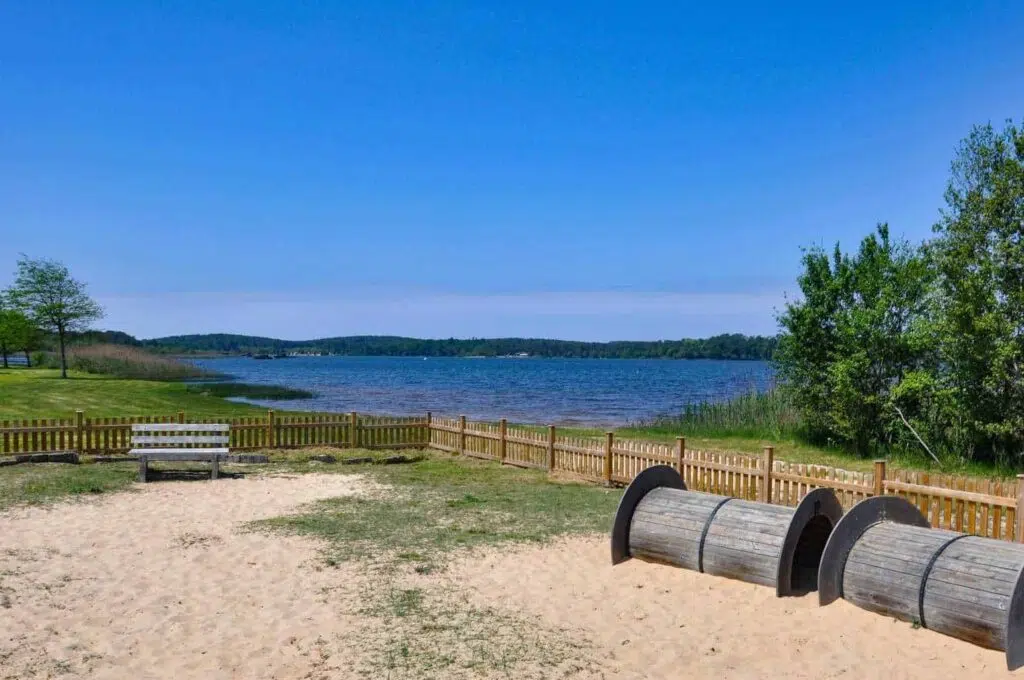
428, 627
41, 393
49, 482
761, 415
442, 504
248, 391
430, 632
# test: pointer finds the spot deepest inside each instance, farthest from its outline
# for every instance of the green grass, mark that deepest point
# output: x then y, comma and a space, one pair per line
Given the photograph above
443, 504
247, 391
760, 415
34, 484
41, 393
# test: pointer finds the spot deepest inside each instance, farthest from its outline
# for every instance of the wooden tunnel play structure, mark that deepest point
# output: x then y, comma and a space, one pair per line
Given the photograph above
884, 557
659, 520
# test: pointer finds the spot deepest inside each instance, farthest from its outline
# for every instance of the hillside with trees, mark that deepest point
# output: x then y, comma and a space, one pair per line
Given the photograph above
718, 347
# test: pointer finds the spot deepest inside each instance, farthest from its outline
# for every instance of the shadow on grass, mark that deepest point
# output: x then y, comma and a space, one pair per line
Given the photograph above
156, 475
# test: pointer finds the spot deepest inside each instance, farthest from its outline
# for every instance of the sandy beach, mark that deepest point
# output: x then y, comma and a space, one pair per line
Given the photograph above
164, 582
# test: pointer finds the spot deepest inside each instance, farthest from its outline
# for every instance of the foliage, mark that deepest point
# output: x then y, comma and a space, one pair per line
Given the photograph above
898, 348
131, 362
856, 332
54, 300
17, 334
979, 257
733, 346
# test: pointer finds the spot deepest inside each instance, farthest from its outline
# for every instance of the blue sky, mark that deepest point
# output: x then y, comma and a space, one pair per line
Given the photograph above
587, 170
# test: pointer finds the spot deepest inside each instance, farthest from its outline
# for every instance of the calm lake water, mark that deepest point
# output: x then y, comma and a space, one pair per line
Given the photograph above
595, 392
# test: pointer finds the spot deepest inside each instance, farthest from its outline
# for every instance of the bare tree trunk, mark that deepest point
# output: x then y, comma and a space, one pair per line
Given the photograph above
3, 350
28, 360
63, 355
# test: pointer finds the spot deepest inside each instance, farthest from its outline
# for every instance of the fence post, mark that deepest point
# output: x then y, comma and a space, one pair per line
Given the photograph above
353, 425
879, 477
462, 435
609, 438
430, 419
551, 447
766, 478
80, 431
181, 417
680, 454
502, 442
1018, 513
271, 438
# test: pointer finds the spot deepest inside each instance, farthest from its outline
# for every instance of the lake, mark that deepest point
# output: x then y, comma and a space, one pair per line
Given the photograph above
590, 392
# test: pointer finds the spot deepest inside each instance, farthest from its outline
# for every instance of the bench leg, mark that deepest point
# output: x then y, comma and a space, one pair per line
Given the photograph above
143, 466
215, 466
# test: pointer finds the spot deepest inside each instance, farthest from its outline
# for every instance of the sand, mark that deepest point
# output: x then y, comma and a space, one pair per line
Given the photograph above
161, 584
657, 621
164, 583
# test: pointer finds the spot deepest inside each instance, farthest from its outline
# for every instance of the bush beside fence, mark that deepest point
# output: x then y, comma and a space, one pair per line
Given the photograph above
982, 507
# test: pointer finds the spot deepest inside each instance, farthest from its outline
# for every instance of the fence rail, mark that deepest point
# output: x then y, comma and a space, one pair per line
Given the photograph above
982, 507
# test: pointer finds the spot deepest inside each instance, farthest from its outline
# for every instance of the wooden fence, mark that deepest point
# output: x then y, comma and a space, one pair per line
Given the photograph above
112, 436
982, 507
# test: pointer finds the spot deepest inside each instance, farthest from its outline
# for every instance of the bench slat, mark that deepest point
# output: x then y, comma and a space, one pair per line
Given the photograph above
209, 449
180, 439
181, 427
181, 454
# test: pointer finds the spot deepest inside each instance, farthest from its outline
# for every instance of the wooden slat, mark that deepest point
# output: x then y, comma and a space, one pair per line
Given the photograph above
951, 494
181, 439
175, 427
180, 454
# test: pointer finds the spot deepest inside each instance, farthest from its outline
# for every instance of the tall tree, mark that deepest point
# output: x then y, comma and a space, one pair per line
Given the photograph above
853, 336
54, 300
979, 255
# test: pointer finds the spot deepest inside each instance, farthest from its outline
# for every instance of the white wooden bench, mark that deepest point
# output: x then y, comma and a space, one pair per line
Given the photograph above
180, 442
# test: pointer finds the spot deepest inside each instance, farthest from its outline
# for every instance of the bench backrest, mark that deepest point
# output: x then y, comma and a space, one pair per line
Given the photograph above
180, 435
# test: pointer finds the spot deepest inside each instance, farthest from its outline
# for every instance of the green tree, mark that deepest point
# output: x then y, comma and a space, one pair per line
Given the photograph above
858, 329
54, 300
979, 256
17, 333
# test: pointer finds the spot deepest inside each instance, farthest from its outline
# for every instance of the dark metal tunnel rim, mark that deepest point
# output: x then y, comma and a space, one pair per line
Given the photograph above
652, 478
848, 531
1015, 625
817, 503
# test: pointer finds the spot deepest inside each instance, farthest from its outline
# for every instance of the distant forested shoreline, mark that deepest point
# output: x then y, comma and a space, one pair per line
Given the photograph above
730, 346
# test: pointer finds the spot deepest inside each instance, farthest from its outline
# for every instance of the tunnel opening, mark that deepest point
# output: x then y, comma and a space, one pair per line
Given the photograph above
807, 557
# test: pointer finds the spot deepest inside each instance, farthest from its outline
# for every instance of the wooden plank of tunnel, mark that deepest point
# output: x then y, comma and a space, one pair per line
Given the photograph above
667, 525
969, 590
744, 542
884, 568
